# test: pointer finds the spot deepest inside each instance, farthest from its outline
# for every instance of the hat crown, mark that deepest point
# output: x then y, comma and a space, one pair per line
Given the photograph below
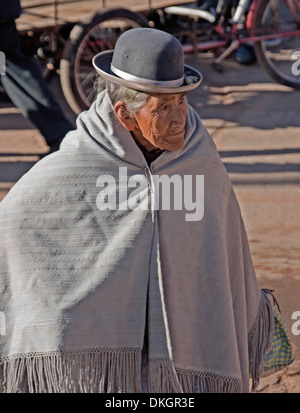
149, 60
150, 54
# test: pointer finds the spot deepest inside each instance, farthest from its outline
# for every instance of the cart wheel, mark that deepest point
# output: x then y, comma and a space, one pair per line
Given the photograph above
97, 33
278, 55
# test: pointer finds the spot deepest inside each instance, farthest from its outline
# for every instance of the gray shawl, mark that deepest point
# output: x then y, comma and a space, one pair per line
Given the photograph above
131, 299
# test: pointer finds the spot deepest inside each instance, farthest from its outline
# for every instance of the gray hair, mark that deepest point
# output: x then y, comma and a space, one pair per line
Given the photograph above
133, 99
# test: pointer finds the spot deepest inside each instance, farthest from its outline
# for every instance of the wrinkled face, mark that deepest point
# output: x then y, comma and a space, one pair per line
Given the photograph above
161, 122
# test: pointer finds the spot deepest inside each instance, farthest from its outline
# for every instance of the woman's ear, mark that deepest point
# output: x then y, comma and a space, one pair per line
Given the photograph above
124, 117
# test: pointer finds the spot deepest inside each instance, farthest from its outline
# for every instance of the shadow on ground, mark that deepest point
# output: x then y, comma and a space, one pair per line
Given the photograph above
231, 96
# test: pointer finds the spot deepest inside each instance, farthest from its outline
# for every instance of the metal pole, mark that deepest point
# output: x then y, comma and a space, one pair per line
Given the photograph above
240, 11
55, 12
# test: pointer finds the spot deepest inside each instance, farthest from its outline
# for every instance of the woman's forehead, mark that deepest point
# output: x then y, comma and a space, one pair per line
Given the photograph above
157, 99
167, 96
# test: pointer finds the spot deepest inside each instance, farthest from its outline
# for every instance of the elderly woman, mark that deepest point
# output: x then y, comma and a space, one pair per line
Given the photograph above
124, 260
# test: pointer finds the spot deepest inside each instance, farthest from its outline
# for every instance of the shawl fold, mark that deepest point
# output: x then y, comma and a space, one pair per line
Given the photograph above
127, 299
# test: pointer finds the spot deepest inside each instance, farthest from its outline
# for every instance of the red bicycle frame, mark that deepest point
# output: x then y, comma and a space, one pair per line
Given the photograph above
292, 5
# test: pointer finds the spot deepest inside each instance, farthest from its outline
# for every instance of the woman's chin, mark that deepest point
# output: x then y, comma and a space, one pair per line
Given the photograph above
173, 145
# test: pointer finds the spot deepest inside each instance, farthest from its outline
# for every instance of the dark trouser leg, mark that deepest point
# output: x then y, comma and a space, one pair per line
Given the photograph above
207, 4
28, 90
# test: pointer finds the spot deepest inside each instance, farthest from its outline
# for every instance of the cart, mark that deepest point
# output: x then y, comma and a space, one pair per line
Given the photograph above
57, 33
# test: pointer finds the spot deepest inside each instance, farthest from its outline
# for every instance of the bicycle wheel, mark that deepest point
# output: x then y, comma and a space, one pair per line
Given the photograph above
97, 33
277, 55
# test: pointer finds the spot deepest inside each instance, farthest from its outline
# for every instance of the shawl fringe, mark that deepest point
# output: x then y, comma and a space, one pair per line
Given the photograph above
73, 372
161, 380
260, 338
103, 372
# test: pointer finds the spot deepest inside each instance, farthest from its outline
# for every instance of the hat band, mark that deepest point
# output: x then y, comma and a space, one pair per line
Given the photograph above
132, 78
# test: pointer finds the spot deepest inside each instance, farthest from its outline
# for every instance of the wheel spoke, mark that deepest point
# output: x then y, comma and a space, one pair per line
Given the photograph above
100, 38
277, 54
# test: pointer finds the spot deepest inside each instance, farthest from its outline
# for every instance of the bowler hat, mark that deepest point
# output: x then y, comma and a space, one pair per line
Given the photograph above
149, 60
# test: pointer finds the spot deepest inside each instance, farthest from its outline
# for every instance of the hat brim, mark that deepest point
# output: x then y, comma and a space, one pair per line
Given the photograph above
102, 64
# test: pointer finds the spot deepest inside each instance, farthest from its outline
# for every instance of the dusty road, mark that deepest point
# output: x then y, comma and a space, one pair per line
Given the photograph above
255, 124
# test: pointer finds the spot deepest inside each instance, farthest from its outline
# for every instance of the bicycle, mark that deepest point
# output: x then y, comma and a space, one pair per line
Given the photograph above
272, 26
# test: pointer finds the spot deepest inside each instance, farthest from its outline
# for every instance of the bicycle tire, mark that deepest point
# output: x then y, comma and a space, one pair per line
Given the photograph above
76, 72
277, 59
